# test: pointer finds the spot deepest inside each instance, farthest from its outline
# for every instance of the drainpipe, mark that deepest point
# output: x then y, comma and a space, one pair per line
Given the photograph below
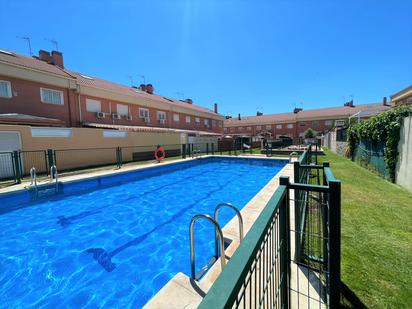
78, 101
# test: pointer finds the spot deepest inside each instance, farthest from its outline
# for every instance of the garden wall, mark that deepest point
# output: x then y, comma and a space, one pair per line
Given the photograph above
404, 166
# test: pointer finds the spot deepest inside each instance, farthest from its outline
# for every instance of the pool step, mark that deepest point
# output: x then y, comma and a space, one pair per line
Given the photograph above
44, 190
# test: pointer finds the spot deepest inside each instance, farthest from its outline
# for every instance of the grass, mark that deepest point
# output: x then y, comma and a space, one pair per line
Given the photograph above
376, 236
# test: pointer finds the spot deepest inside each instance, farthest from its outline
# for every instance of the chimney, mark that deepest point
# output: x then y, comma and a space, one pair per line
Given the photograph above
349, 104
384, 102
238, 117
215, 109
189, 101
44, 56
142, 87
297, 110
57, 58
259, 113
149, 88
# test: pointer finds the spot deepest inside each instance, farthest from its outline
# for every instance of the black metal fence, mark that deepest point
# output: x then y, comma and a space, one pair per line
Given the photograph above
16, 165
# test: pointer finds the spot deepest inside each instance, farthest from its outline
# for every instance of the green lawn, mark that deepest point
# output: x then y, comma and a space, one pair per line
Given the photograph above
376, 236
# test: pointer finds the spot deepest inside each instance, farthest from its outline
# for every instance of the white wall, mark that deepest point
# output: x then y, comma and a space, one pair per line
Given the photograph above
404, 165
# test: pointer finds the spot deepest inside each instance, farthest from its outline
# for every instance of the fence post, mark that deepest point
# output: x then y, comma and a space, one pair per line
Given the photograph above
17, 166
285, 243
296, 179
119, 158
207, 148
213, 148
183, 151
334, 221
267, 150
51, 158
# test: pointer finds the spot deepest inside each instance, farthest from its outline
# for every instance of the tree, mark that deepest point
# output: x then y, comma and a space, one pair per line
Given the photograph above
309, 134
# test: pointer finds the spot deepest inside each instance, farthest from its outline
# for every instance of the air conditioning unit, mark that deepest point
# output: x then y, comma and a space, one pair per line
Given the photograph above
116, 116
339, 123
129, 117
146, 119
100, 115
162, 121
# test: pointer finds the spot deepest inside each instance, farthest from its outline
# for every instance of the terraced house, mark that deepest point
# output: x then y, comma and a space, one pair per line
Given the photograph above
295, 124
42, 91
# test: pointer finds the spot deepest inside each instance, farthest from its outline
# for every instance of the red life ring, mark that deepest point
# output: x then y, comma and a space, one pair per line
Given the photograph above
159, 154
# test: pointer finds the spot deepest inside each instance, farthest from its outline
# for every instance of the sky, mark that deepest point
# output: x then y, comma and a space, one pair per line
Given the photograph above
247, 56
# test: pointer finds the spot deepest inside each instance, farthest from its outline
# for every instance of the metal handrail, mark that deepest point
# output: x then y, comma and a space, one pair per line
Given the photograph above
239, 216
294, 153
54, 175
192, 242
33, 177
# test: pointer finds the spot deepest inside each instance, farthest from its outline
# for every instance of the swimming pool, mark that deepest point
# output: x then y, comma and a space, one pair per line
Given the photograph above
114, 241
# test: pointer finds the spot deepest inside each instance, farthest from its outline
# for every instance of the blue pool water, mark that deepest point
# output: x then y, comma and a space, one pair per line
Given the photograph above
115, 241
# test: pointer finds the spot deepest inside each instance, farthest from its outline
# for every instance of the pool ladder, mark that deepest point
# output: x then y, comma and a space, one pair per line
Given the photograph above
219, 241
54, 175
33, 179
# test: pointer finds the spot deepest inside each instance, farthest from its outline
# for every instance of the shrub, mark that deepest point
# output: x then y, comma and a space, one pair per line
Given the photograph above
385, 128
309, 134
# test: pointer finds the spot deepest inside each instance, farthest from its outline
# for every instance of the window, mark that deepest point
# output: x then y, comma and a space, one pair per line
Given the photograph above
5, 89
268, 127
206, 122
315, 123
143, 113
93, 105
278, 126
258, 127
188, 119
240, 128
197, 120
214, 123
161, 116
290, 125
51, 132
115, 134
220, 123
122, 109
225, 130
328, 123
51, 96
176, 117
249, 128
302, 124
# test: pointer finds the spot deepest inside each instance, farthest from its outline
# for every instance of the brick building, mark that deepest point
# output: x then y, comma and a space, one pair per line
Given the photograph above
41, 91
296, 123
402, 97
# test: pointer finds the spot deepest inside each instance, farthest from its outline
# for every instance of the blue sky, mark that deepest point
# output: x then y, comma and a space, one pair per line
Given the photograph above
246, 55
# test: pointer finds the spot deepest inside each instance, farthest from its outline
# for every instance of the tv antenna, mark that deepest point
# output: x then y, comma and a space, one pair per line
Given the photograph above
27, 39
55, 43
144, 79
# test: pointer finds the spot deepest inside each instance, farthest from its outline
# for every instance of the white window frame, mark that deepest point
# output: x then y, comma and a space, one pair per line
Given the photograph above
144, 112
290, 126
158, 113
8, 88
122, 113
258, 127
94, 109
268, 127
206, 122
188, 119
249, 128
51, 132
197, 120
176, 117
329, 123
53, 91
278, 126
